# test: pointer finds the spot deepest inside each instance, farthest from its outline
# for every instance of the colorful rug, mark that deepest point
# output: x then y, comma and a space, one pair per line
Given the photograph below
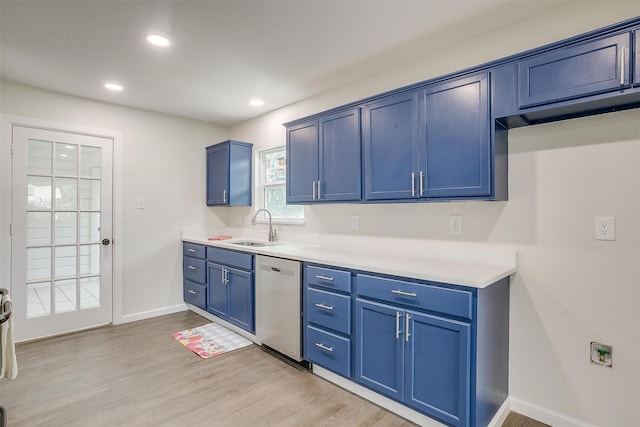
210, 340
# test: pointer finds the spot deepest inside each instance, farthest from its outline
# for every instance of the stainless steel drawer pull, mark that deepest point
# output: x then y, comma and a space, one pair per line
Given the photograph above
326, 307
192, 292
324, 278
421, 183
313, 190
191, 250
397, 324
406, 327
406, 294
324, 347
623, 55
224, 196
192, 267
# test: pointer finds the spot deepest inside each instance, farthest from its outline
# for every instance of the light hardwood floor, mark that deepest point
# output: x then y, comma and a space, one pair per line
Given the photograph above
137, 375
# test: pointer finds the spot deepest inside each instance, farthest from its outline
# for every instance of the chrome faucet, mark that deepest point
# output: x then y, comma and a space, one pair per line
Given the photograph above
272, 231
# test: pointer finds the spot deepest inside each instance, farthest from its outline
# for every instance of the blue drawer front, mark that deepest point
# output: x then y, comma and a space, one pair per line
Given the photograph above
230, 258
194, 270
329, 278
433, 298
196, 294
329, 351
193, 250
329, 310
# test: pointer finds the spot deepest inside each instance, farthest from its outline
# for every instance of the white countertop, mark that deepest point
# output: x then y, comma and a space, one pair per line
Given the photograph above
467, 264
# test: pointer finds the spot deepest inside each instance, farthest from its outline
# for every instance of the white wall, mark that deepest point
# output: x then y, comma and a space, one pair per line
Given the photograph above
569, 289
164, 161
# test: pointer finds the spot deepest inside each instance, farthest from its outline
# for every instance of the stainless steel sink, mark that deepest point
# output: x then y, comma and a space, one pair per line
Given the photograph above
253, 243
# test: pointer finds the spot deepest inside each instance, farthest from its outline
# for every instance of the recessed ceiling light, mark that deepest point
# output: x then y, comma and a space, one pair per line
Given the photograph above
256, 102
158, 40
113, 86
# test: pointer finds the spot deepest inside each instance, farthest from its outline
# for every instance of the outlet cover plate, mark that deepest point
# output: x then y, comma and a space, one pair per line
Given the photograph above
455, 224
605, 228
601, 354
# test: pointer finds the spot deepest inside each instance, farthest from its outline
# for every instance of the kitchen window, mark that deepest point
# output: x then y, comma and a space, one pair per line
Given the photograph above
272, 187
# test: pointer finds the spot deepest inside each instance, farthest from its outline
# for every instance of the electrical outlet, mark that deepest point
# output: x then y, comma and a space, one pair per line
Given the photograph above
605, 228
455, 224
601, 354
355, 222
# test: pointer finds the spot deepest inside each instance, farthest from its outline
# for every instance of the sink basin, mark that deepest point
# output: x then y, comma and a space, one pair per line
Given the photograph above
253, 243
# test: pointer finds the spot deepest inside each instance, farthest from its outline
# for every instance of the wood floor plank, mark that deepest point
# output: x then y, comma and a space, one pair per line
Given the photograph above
138, 375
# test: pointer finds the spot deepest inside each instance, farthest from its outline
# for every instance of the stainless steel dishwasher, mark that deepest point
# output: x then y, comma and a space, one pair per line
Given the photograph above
278, 313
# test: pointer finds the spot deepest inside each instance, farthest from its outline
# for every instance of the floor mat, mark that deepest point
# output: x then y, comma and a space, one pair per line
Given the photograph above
210, 340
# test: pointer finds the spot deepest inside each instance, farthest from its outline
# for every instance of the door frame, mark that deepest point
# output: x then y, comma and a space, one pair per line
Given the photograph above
6, 136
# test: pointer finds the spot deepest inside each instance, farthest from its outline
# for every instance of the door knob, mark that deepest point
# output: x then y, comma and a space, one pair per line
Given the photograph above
106, 242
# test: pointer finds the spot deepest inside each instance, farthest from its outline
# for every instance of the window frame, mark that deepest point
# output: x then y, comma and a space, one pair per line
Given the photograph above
261, 185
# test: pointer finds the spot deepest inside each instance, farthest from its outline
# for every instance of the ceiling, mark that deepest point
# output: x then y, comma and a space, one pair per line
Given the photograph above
224, 53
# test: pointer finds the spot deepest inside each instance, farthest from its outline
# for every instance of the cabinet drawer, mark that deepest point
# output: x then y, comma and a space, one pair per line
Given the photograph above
196, 294
329, 278
329, 310
194, 270
433, 298
193, 250
230, 258
329, 351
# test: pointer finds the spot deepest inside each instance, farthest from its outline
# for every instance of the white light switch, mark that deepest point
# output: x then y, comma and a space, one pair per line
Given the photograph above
455, 224
140, 202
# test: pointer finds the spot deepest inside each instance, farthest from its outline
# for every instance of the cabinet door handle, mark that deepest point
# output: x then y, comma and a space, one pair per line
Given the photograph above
319, 192
324, 347
406, 328
226, 276
192, 267
421, 185
324, 278
413, 184
623, 54
397, 324
191, 250
313, 190
192, 292
224, 196
406, 294
326, 307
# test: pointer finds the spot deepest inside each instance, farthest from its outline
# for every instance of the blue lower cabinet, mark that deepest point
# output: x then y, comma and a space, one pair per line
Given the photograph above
379, 348
420, 360
231, 291
437, 367
195, 293
329, 350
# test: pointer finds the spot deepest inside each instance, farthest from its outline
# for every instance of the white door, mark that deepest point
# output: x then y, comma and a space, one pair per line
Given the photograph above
61, 226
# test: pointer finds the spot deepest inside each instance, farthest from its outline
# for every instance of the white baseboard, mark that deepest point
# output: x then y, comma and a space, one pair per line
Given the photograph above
149, 314
544, 415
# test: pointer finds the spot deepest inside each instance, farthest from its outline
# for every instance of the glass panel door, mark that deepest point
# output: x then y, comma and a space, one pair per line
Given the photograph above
61, 270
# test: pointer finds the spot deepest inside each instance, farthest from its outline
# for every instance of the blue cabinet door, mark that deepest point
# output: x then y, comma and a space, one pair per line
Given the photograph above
217, 292
379, 348
302, 162
240, 291
340, 156
217, 174
438, 367
588, 68
391, 147
455, 158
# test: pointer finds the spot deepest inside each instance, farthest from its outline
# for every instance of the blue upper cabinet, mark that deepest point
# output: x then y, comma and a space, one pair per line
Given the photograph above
302, 162
229, 174
434, 143
340, 157
575, 71
391, 147
455, 156
324, 159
